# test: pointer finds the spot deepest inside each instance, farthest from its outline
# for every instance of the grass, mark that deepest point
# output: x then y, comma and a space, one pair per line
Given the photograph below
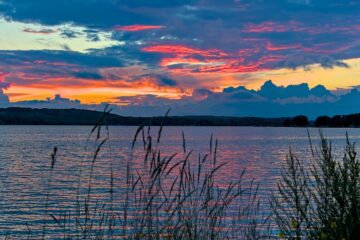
179, 196
174, 196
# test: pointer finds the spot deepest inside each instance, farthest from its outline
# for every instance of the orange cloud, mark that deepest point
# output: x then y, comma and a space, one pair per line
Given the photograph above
131, 79
272, 47
136, 28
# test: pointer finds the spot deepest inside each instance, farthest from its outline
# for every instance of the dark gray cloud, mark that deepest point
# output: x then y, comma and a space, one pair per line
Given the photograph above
16, 58
68, 33
4, 99
165, 81
88, 75
101, 13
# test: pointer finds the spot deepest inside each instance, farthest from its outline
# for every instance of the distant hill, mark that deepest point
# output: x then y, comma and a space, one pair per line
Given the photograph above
28, 116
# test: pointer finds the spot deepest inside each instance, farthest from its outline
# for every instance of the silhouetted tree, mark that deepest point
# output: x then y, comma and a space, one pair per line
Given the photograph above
323, 121
300, 121
287, 123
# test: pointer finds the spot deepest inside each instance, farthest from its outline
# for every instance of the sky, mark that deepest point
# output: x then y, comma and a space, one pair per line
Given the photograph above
192, 55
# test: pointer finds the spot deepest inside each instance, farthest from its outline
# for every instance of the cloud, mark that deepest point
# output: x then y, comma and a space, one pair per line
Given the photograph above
41, 31
155, 81
255, 38
234, 101
147, 100
269, 101
137, 28
200, 60
88, 75
4, 99
82, 12
69, 33
57, 102
272, 27
204, 45
165, 81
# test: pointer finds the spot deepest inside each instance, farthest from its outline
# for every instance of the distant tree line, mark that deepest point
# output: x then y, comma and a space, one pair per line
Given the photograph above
28, 116
352, 120
298, 121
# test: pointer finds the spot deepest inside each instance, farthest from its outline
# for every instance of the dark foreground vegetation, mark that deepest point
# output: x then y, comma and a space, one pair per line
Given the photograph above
178, 196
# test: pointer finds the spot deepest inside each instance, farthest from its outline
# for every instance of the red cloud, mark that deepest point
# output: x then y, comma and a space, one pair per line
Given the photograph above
192, 60
184, 51
2, 76
136, 28
180, 54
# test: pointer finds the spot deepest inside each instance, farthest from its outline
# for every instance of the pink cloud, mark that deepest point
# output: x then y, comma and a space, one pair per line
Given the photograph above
184, 51
184, 59
269, 26
3, 83
55, 64
137, 27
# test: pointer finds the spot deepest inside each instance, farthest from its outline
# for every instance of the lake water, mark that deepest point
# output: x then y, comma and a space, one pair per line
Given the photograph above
25, 160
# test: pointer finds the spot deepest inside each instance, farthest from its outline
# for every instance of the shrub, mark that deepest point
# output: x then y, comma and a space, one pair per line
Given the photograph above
321, 201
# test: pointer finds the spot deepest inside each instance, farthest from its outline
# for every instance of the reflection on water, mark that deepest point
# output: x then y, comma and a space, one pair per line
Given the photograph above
25, 162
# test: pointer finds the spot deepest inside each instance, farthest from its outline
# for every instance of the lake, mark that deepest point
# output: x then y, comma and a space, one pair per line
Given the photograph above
25, 159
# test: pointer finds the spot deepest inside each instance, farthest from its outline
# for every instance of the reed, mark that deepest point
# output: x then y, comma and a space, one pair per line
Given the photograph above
171, 196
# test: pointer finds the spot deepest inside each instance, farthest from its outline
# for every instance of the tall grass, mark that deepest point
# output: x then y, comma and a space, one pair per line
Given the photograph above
171, 196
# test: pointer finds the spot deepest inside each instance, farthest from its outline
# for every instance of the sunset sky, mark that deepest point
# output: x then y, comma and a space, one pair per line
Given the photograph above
123, 51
